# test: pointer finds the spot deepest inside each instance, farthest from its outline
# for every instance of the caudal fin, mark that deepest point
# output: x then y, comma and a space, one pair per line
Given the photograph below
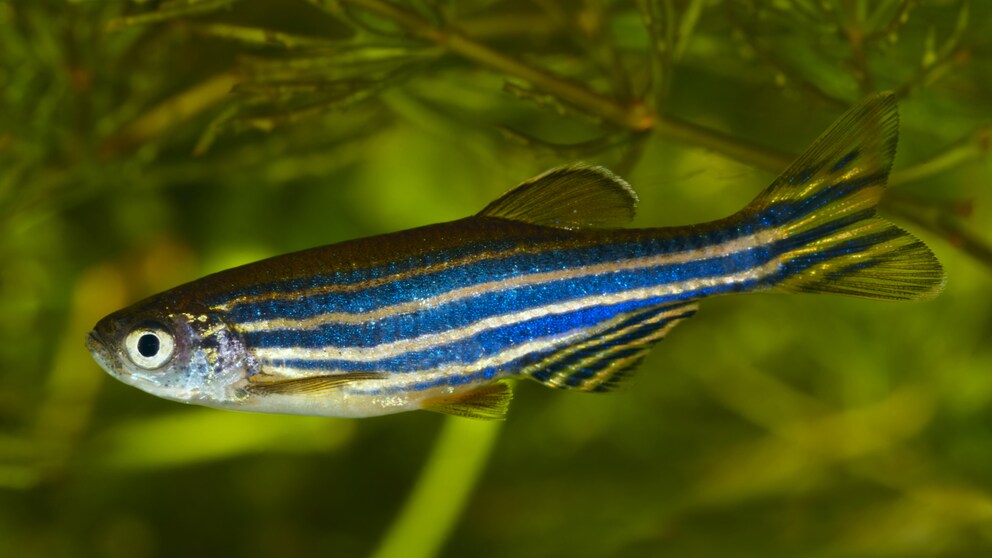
822, 211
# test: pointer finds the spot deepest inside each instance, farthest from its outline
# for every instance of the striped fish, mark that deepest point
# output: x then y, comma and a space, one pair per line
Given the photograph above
543, 284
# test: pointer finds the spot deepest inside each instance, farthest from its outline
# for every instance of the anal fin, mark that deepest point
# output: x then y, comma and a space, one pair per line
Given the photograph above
600, 362
489, 402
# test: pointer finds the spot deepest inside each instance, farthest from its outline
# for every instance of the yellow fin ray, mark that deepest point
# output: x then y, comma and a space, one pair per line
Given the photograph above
489, 402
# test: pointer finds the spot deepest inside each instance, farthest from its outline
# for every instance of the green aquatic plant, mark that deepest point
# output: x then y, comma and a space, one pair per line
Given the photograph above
143, 144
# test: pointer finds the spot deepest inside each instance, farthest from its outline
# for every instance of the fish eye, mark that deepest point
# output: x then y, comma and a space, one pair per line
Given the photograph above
150, 346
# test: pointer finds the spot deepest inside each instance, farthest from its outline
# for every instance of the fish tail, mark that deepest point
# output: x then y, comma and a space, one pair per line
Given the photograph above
821, 212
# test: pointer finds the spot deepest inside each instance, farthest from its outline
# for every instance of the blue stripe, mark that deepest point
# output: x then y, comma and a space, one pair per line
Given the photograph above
454, 380
485, 344
804, 175
343, 277
845, 160
821, 231
463, 312
634, 318
466, 311
469, 310
788, 210
544, 374
590, 370
481, 376
853, 246
632, 336
434, 284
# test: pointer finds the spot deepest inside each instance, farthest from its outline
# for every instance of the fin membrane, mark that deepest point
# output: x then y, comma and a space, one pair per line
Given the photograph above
569, 197
488, 402
600, 362
874, 259
853, 155
822, 211
314, 385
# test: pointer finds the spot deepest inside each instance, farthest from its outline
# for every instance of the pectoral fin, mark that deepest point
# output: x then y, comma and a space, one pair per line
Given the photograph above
314, 385
488, 402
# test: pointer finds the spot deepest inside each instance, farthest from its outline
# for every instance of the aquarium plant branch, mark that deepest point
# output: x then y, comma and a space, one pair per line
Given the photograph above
786, 74
174, 110
946, 223
441, 491
974, 146
637, 116
169, 11
640, 118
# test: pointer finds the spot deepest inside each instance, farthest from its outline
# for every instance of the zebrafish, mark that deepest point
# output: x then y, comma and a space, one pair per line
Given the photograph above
544, 283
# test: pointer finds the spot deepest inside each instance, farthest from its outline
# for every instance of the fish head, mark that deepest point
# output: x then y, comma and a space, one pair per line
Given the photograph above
174, 350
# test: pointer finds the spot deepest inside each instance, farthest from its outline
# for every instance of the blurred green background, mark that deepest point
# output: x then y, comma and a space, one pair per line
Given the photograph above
144, 144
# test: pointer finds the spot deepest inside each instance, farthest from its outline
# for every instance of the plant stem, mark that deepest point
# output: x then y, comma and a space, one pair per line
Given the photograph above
178, 108
635, 117
972, 147
435, 503
949, 227
640, 118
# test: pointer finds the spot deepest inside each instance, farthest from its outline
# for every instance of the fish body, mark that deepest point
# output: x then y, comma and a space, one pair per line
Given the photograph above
542, 284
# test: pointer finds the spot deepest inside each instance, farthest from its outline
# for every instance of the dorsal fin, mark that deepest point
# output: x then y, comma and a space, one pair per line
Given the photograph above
570, 197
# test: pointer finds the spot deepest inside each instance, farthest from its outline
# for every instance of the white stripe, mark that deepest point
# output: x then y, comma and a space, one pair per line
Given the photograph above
506, 356
396, 348
729, 247
577, 338
643, 343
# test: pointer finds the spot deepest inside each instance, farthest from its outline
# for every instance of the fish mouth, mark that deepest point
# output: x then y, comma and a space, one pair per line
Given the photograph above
94, 342
98, 349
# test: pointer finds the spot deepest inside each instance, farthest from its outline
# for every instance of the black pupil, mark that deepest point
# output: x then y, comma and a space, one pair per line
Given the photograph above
148, 345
